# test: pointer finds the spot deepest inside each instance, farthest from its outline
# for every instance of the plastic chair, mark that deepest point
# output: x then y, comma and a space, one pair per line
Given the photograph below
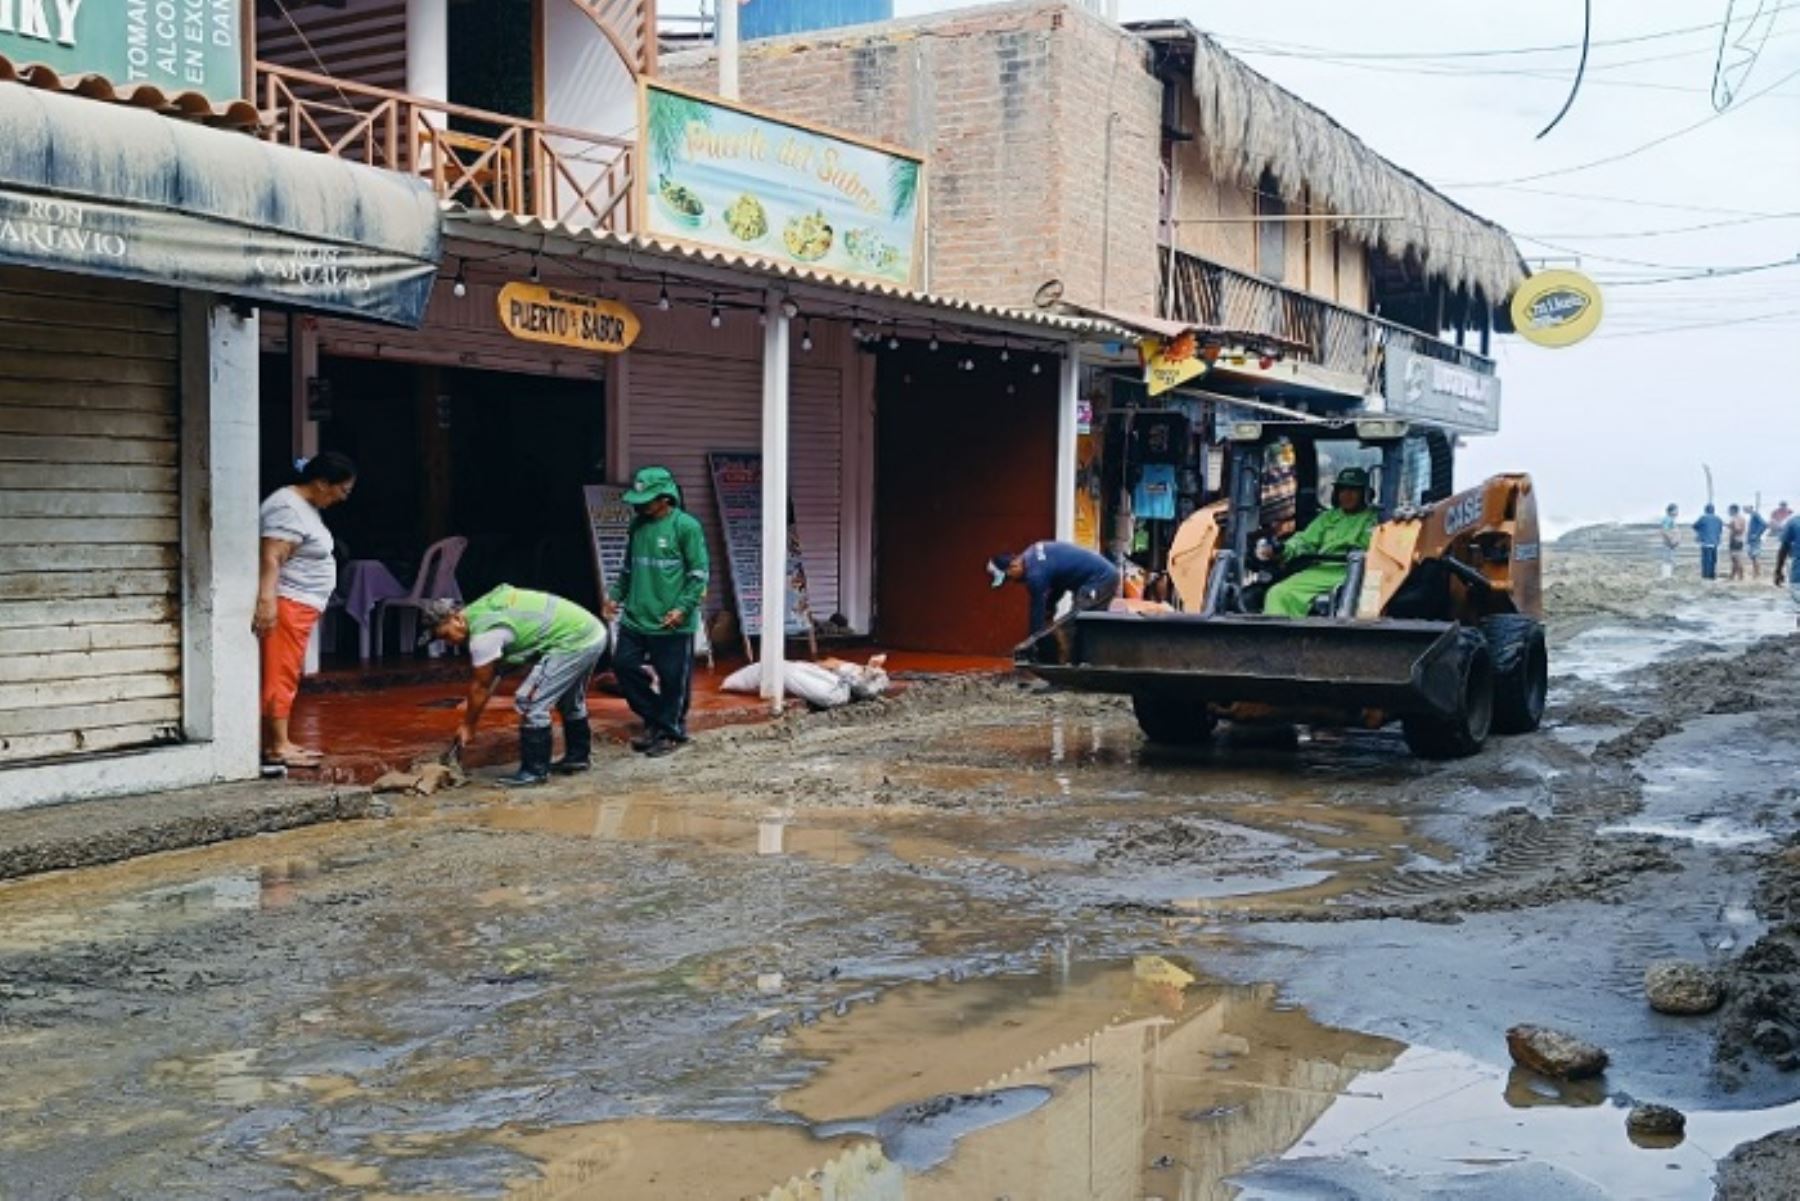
436, 578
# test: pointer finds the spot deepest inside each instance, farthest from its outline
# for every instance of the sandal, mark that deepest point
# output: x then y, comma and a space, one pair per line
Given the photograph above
303, 760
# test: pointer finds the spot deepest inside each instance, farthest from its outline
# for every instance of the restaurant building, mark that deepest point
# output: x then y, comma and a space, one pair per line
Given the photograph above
777, 312
142, 229
1268, 263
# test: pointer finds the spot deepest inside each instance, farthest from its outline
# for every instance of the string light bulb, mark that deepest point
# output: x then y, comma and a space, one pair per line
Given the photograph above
662, 298
715, 318
460, 288
806, 336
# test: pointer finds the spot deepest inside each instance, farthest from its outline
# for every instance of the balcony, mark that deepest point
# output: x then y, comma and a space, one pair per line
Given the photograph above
480, 159
1209, 295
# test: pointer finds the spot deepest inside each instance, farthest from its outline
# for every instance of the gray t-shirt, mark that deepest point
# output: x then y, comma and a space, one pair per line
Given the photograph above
310, 574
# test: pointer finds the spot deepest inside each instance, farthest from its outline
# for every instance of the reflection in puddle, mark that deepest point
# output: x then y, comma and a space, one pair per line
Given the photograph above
772, 833
1713, 832
1438, 1114
1606, 654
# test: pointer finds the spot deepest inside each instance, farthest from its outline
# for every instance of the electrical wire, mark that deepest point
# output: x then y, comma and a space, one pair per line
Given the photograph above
1664, 232
1301, 50
1587, 37
1724, 91
1710, 273
1630, 201
1635, 150
1779, 315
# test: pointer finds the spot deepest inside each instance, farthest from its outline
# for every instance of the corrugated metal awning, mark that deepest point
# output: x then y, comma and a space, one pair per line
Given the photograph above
122, 192
641, 250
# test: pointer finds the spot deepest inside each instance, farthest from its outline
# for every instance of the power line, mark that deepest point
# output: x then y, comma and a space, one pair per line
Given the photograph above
1667, 231
1639, 149
1631, 201
1518, 73
1708, 273
1708, 27
1779, 315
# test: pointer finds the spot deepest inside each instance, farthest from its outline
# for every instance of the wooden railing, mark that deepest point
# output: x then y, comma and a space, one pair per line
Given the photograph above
1317, 331
480, 159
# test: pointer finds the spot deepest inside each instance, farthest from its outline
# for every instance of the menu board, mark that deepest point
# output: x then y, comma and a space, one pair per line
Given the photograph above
737, 487
609, 523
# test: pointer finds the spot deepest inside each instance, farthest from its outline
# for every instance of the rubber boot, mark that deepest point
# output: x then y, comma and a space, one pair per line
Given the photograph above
534, 758
578, 748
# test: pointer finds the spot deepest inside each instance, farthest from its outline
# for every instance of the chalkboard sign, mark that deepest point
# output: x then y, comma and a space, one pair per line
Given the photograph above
737, 486
609, 523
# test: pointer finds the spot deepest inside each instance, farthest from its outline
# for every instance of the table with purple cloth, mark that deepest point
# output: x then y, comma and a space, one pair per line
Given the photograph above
365, 583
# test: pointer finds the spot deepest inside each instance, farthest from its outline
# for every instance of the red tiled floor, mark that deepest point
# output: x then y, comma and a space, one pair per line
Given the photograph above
410, 710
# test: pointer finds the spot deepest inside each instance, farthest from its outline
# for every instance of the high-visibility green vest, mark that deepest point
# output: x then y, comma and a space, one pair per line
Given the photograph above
540, 624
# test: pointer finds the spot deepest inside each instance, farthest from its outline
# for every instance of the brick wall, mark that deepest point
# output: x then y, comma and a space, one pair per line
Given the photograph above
1011, 104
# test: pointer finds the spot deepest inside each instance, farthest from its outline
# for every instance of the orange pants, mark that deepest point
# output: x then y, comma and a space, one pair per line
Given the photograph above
284, 655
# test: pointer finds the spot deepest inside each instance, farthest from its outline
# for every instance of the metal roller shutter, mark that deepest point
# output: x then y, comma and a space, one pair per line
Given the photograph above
90, 516
681, 410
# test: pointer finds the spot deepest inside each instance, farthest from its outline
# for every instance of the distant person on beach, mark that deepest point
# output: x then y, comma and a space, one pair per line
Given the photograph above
1671, 540
1759, 529
1709, 530
1737, 533
1779, 518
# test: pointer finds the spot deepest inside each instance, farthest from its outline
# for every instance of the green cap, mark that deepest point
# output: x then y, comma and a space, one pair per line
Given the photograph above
650, 483
1352, 477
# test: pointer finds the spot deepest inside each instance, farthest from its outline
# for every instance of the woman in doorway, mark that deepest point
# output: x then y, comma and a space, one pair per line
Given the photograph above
297, 578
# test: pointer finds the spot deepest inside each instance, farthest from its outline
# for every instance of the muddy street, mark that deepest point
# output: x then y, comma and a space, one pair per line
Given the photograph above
977, 941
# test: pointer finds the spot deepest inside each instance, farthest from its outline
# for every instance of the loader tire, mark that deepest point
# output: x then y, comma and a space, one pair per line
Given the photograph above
1462, 733
1521, 671
1171, 722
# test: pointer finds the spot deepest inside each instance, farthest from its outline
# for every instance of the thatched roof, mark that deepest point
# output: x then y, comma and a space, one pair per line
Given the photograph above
1249, 126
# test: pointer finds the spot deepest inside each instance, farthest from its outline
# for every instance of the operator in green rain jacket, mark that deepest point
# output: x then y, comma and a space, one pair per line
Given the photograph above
1335, 532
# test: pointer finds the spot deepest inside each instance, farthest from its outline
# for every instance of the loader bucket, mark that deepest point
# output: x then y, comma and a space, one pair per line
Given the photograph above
1401, 668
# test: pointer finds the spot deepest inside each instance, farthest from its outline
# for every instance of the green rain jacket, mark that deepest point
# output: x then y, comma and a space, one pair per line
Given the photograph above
666, 567
1333, 532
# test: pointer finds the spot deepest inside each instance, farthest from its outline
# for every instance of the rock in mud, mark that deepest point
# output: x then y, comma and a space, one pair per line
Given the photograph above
1764, 1170
1762, 995
1679, 987
1655, 1121
1553, 1053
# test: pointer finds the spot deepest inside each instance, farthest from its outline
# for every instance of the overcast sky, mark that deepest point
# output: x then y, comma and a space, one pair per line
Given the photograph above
1680, 373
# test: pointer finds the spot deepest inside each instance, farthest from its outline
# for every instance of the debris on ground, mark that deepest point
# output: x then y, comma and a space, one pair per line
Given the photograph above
1553, 1053
422, 779
1677, 986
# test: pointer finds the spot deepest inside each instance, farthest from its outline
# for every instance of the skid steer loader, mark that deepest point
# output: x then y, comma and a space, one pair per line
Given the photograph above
1437, 625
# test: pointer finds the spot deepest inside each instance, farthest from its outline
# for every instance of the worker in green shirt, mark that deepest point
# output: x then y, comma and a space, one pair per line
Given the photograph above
510, 627
656, 600
1332, 535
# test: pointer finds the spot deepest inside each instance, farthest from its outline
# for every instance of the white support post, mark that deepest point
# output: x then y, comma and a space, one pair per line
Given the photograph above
725, 38
774, 499
428, 52
303, 369
1068, 396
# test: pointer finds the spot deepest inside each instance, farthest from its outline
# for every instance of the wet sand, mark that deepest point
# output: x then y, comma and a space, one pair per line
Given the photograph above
976, 941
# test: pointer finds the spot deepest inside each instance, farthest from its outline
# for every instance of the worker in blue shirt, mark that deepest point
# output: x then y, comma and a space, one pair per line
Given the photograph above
1709, 529
1788, 557
1053, 570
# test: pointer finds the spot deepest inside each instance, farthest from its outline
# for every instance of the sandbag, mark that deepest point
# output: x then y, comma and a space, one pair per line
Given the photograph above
809, 682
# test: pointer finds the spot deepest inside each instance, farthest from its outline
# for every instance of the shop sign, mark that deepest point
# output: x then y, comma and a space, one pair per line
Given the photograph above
1556, 308
175, 45
1169, 364
780, 190
181, 250
1446, 394
535, 313
737, 488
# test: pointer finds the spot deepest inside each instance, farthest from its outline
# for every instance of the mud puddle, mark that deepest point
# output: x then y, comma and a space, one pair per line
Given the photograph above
1605, 655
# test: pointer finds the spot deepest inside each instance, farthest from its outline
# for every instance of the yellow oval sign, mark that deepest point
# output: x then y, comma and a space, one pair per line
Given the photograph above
536, 313
1556, 308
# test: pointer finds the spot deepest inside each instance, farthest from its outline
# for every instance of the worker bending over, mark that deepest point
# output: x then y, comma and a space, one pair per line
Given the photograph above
1053, 570
1345, 527
510, 627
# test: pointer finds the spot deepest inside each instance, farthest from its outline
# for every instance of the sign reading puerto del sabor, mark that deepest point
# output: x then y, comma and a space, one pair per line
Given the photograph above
175, 45
535, 313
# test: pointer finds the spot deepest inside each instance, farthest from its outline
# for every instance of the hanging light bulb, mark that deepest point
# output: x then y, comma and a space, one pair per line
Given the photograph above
1037, 369
460, 288
806, 336
933, 344
789, 309
894, 338
715, 319
1011, 388
537, 276
662, 298
1005, 355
